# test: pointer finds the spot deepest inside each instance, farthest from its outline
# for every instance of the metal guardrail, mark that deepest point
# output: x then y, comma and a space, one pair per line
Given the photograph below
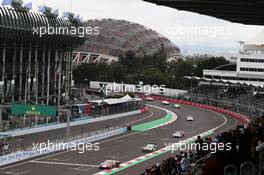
250, 110
64, 140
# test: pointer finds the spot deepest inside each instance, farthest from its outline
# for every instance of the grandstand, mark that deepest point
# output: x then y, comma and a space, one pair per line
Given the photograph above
248, 70
34, 69
239, 82
238, 86
249, 140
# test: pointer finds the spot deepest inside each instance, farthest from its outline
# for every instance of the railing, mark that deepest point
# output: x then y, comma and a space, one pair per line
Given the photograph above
21, 122
63, 140
253, 111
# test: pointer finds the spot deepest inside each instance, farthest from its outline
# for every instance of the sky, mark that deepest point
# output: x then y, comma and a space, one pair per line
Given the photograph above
185, 29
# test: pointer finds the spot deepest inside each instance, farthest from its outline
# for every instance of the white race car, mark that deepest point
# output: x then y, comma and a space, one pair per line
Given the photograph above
165, 102
177, 106
109, 164
189, 118
150, 147
178, 134
149, 99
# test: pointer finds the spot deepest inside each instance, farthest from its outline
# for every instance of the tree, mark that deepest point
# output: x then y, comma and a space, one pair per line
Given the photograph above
118, 71
153, 76
153, 70
202, 62
129, 60
103, 72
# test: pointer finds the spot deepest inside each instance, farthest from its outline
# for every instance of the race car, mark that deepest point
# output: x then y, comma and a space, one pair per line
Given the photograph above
178, 134
109, 164
189, 118
165, 102
177, 106
150, 147
149, 99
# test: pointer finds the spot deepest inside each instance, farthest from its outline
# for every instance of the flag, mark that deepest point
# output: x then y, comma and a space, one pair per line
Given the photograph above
42, 9
65, 15
56, 12
79, 18
58, 70
28, 6
7, 2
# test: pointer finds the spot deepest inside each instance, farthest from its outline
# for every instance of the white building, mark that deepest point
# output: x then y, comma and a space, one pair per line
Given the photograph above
247, 70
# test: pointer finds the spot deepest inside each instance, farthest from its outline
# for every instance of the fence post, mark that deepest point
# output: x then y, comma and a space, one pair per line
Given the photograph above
230, 170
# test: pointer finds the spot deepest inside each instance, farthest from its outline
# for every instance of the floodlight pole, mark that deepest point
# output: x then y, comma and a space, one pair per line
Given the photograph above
68, 124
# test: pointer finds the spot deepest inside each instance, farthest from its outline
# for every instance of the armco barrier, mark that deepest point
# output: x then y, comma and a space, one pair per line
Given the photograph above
240, 117
23, 155
75, 123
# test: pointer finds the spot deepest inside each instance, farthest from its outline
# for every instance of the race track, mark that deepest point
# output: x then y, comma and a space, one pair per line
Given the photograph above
125, 147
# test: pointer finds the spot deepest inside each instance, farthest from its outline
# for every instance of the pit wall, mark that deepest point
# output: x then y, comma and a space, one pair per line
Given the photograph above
32, 152
26, 131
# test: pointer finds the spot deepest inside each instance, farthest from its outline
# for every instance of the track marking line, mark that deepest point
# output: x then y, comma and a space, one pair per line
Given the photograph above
164, 150
149, 116
14, 172
82, 169
64, 152
62, 160
63, 163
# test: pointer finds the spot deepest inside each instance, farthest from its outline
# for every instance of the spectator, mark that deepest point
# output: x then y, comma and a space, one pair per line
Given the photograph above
248, 139
184, 163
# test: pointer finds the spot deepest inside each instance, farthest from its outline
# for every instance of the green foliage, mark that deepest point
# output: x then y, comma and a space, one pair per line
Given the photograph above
202, 62
152, 70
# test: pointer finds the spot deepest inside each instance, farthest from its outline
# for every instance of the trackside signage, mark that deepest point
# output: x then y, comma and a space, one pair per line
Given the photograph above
40, 110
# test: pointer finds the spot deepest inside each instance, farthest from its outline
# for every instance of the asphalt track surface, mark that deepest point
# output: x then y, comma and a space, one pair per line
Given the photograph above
125, 147
85, 128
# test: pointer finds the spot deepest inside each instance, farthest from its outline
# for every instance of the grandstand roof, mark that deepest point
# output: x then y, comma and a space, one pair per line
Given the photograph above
119, 36
246, 11
112, 101
18, 24
236, 82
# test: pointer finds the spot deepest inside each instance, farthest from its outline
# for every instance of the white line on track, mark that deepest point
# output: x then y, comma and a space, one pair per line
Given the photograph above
61, 163
193, 137
64, 152
82, 169
62, 160
14, 172
225, 129
115, 138
136, 121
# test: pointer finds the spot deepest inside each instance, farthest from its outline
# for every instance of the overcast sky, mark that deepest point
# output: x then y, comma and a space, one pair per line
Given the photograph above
183, 28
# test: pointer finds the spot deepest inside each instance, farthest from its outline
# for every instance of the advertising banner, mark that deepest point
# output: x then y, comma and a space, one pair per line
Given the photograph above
39, 110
